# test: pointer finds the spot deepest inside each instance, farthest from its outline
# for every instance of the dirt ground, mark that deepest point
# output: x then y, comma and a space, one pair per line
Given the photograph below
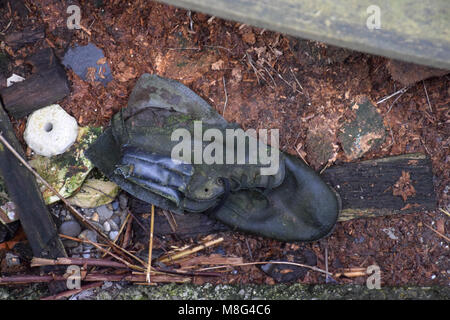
262, 79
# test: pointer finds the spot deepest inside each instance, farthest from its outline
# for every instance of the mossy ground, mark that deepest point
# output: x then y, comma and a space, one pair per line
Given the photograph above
240, 292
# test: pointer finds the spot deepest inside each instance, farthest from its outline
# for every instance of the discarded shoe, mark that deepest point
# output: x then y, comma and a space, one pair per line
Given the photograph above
291, 204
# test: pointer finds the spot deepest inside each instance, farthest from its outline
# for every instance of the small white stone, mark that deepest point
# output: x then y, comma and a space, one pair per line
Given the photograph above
50, 131
107, 226
113, 235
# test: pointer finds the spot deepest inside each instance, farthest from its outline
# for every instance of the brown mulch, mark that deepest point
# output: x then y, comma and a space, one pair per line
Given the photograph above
269, 85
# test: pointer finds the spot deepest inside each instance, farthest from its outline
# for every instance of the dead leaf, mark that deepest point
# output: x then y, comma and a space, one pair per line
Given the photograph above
236, 74
249, 37
101, 61
127, 75
440, 225
217, 65
403, 187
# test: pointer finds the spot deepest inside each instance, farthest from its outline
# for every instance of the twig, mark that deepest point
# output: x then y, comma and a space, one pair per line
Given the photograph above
402, 90
191, 48
79, 240
98, 190
443, 236
85, 30
351, 274
170, 220
190, 251
191, 22
219, 47
150, 244
69, 293
390, 107
255, 70
129, 265
325, 168
426, 93
26, 279
296, 80
444, 211
127, 236
40, 262
248, 248
189, 273
267, 262
301, 156
226, 96
138, 222
326, 263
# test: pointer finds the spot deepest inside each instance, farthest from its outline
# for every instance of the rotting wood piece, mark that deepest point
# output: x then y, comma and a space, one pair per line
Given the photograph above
46, 86
19, 39
24, 192
365, 188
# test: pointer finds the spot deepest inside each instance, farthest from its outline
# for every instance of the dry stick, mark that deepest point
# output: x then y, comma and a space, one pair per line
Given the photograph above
137, 221
296, 80
390, 107
189, 273
69, 293
150, 244
267, 262
444, 211
326, 262
226, 96
442, 235
79, 240
191, 251
402, 90
26, 279
129, 265
351, 274
75, 212
170, 220
40, 262
127, 235
426, 93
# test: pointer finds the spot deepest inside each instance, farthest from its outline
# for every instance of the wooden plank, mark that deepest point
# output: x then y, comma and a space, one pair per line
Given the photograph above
24, 192
19, 39
411, 30
365, 188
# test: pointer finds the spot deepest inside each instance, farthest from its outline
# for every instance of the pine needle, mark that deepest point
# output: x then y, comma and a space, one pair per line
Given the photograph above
150, 244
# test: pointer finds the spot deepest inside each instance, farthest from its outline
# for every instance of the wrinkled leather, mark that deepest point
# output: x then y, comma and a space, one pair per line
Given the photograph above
293, 205
302, 208
156, 107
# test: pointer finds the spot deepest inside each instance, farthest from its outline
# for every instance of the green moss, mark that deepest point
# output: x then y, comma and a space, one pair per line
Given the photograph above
242, 292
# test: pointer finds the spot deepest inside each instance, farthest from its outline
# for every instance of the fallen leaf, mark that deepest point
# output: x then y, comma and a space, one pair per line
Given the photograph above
249, 37
217, 65
403, 187
128, 74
